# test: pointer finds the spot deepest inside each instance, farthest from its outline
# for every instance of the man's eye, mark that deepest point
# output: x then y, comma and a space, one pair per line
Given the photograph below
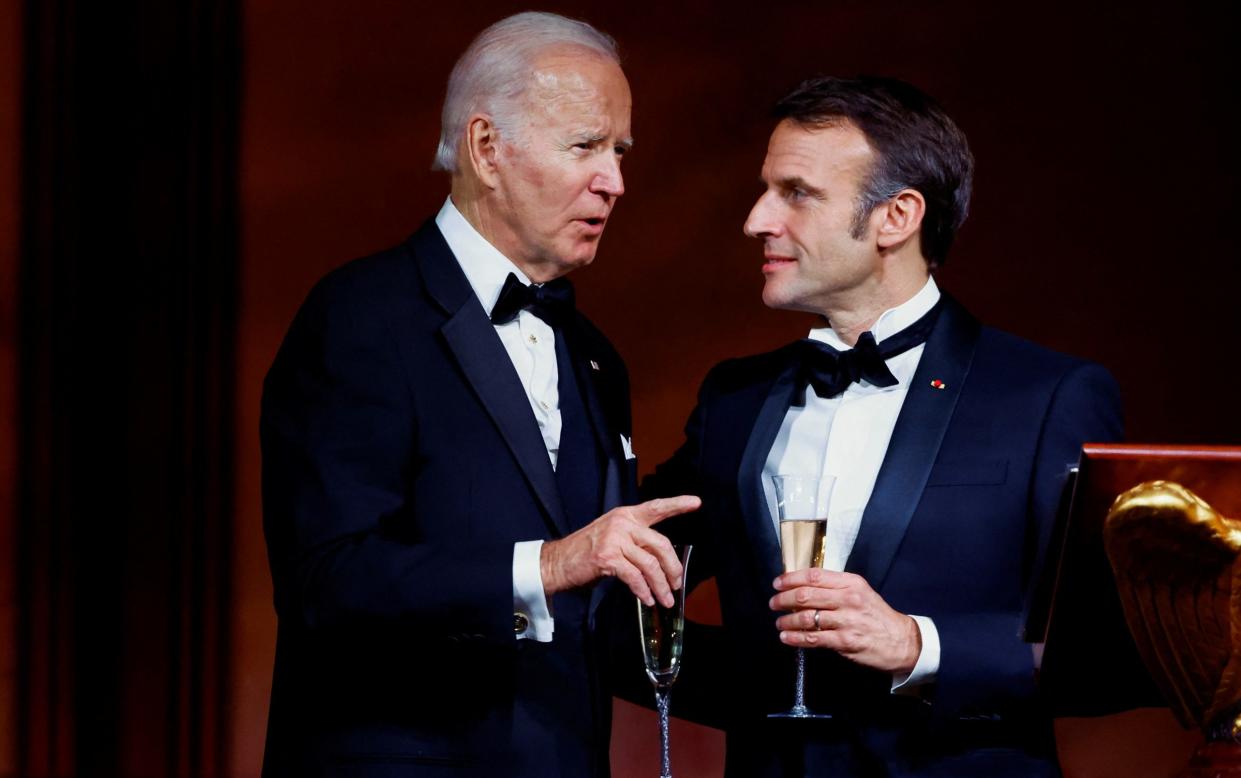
584, 145
794, 195
620, 150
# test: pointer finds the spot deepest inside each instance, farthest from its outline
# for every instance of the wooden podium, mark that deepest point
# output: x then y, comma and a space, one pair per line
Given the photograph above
1091, 665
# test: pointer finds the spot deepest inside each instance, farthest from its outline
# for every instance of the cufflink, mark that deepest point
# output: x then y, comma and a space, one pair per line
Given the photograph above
521, 623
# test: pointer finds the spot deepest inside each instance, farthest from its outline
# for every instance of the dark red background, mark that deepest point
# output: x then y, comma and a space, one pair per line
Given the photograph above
1102, 224
10, 57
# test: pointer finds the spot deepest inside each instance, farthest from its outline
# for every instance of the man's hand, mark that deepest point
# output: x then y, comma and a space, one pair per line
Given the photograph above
620, 543
852, 620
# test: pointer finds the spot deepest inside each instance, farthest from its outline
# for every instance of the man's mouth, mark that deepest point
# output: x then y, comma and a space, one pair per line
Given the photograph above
594, 224
773, 262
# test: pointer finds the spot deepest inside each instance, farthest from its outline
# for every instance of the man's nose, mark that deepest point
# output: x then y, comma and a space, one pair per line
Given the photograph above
608, 179
761, 222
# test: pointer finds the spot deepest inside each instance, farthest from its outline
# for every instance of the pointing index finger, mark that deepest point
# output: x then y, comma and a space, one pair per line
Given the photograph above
654, 511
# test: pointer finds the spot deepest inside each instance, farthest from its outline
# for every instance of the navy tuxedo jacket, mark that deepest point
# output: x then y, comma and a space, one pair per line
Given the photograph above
956, 530
401, 461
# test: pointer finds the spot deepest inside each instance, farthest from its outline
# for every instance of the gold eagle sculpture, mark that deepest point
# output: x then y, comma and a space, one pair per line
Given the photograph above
1177, 573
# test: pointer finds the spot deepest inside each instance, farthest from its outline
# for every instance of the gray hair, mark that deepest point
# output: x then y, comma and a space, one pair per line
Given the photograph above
494, 72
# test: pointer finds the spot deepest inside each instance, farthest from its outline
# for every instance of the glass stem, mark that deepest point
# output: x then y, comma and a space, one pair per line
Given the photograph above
799, 695
663, 698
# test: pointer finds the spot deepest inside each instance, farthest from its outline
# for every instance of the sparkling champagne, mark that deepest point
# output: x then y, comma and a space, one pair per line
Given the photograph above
803, 543
662, 630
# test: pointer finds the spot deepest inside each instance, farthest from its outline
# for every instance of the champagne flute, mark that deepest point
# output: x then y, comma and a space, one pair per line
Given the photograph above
801, 501
663, 631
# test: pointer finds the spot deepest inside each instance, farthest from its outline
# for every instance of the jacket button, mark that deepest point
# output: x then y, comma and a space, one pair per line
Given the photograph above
521, 623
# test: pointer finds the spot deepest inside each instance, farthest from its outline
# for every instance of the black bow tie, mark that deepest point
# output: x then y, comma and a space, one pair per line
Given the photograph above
830, 371
552, 302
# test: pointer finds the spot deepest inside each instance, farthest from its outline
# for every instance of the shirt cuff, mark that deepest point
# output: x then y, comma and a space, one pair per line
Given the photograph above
927, 665
529, 600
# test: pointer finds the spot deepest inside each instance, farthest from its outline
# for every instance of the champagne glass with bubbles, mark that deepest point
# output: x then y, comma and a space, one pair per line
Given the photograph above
801, 502
663, 633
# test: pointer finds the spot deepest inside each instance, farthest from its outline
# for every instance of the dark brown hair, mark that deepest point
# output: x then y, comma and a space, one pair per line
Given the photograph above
916, 147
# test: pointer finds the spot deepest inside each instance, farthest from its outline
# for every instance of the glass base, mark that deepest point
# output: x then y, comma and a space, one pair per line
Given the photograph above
799, 713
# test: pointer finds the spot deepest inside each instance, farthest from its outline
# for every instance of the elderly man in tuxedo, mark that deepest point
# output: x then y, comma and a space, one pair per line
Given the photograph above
446, 454
949, 442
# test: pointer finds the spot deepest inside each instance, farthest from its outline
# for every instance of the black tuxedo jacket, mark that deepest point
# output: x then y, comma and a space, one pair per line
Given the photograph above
955, 530
401, 461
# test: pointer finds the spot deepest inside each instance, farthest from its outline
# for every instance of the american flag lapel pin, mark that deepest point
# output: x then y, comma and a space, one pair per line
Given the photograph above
938, 384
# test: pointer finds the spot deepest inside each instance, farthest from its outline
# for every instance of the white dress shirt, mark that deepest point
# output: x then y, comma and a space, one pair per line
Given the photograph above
847, 437
531, 344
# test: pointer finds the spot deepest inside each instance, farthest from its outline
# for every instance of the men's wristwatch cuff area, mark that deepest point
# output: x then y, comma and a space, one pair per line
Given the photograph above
532, 618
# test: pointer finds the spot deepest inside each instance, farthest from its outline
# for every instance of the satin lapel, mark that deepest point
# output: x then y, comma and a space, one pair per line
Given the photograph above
915, 443
489, 370
753, 500
586, 367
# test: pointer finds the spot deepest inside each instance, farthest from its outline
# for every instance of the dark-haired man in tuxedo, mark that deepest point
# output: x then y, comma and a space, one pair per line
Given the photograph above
441, 430
949, 440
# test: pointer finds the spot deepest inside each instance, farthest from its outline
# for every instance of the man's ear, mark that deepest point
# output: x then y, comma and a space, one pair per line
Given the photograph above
482, 146
900, 218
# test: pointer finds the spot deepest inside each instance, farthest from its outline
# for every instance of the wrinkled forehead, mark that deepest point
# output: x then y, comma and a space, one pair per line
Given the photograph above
817, 151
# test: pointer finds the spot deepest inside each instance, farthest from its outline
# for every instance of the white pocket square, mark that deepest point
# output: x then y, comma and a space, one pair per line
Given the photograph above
627, 447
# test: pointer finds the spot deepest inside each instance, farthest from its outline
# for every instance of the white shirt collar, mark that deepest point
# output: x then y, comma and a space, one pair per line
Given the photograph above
483, 264
890, 321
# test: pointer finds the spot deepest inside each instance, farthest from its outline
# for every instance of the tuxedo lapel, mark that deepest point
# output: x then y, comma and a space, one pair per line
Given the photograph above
753, 501
915, 443
472, 339
586, 368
